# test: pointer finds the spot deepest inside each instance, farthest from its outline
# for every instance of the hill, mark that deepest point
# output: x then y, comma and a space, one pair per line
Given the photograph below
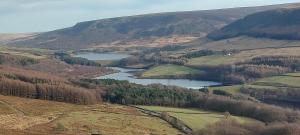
4, 38
20, 116
276, 24
176, 27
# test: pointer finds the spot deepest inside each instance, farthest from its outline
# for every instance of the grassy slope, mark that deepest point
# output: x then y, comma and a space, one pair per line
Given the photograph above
196, 119
39, 117
212, 60
288, 80
294, 74
242, 56
245, 43
231, 89
169, 70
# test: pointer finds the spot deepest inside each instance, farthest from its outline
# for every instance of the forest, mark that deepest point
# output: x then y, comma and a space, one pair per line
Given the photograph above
75, 60
38, 85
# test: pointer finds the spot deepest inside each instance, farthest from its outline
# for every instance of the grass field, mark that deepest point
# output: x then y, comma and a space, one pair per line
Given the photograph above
243, 56
294, 74
195, 118
247, 43
275, 83
231, 89
37, 116
288, 80
169, 70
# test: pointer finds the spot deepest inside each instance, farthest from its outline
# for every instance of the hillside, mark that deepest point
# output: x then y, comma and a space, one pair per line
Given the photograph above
276, 24
21, 116
4, 38
141, 29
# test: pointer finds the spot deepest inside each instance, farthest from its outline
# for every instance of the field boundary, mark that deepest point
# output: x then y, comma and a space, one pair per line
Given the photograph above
180, 125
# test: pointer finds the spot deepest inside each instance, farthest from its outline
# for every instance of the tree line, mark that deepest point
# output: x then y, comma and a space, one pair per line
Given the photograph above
285, 95
291, 62
75, 60
205, 52
239, 73
37, 85
127, 93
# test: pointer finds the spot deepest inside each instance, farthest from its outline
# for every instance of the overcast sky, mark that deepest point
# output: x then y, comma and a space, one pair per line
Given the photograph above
18, 16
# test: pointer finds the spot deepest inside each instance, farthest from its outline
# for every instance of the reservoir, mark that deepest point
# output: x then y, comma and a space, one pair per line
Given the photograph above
102, 56
126, 74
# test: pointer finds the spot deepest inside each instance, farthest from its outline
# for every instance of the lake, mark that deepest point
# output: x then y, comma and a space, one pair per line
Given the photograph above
102, 56
126, 74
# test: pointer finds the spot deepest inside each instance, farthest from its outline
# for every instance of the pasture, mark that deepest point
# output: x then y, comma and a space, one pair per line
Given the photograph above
169, 70
195, 118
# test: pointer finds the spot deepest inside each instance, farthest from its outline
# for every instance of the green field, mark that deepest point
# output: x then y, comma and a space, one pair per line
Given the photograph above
294, 74
248, 43
288, 80
195, 118
275, 82
242, 56
231, 89
169, 70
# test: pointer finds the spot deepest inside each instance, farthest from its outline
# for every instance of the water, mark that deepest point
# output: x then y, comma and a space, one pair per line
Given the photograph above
103, 56
125, 74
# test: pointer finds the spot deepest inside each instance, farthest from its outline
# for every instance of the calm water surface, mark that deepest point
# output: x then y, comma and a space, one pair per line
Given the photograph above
103, 56
125, 74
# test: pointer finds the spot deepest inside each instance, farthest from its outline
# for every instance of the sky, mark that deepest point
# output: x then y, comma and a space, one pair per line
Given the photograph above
22, 16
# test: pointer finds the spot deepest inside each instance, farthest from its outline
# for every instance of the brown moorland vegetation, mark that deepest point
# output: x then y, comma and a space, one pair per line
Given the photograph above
48, 117
62, 69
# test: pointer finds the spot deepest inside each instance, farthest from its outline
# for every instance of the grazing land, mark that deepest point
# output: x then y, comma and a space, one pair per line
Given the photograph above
231, 89
195, 118
169, 70
288, 80
214, 60
245, 43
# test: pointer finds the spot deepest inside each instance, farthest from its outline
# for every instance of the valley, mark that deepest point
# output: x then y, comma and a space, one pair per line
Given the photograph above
167, 70
229, 71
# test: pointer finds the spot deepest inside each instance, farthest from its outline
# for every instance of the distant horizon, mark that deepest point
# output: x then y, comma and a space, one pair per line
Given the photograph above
34, 16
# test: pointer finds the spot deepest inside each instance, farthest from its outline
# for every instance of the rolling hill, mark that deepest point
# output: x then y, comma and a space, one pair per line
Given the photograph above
279, 24
126, 30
